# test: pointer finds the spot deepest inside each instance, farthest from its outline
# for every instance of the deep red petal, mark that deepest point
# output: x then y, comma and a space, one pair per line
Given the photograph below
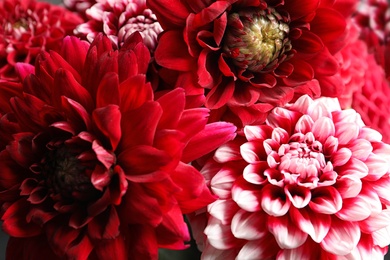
108, 122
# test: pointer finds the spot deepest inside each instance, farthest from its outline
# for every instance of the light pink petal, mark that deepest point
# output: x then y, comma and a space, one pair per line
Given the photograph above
381, 237
280, 135
298, 195
248, 200
219, 235
287, 235
222, 182
252, 250
319, 109
302, 104
304, 124
377, 167
370, 134
258, 132
376, 222
382, 188
326, 200
342, 238
254, 173
323, 128
248, 225
228, 152
308, 250
349, 186
250, 151
355, 209
360, 149
341, 157
354, 167
347, 116
315, 224
274, 201
346, 132
223, 210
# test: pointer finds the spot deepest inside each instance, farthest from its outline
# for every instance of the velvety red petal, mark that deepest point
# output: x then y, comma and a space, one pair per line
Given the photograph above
105, 225
108, 122
140, 125
171, 52
167, 16
108, 91
209, 139
134, 92
15, 223
138, 207
173, 231
172, 104
111, 249
74, 52
67, 85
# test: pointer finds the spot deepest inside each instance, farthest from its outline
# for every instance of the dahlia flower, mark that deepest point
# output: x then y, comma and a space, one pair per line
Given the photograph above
93, 166
28, 27
353, 66
373, 17
310, 183
118, 20
244, 52
373, 99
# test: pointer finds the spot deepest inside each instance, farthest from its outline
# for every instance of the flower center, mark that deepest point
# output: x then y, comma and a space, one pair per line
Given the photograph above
256, 39
67, 177
146, 24
301, 162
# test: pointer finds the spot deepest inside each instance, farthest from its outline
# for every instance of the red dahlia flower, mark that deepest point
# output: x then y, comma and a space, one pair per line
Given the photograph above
310, 183
242, 52
28, 27
118, 20
93, 166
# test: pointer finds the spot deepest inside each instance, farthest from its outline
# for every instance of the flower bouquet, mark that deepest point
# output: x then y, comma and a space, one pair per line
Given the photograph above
178, 129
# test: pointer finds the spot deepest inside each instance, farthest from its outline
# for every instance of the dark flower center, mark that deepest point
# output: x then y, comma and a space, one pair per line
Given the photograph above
255, 39
67, 176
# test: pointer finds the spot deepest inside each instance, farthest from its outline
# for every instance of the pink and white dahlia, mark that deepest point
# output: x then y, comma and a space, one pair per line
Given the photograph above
310, 183
118, 20
93, 164
27, 27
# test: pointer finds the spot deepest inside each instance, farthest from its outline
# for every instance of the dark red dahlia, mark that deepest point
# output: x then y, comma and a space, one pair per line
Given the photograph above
93, 166
28, 27
241, 53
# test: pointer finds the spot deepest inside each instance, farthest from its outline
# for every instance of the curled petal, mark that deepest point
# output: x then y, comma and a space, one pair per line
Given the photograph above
298, 195
274, 201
